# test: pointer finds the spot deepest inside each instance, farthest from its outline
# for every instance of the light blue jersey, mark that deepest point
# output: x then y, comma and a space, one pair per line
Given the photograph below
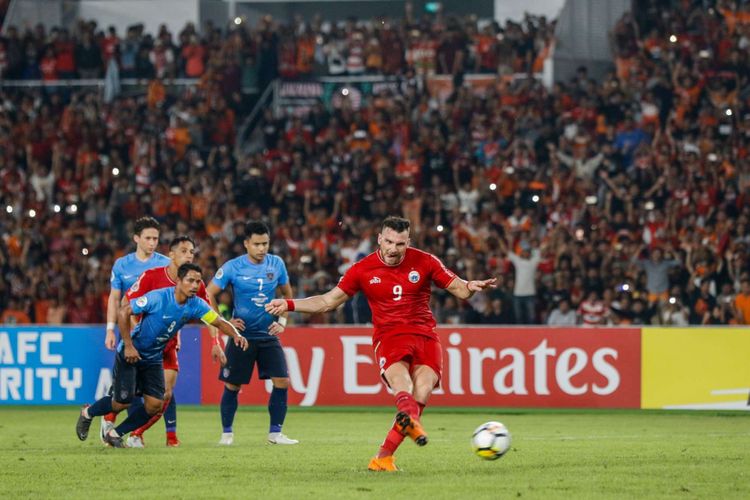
128, 268
253, 285
162, 317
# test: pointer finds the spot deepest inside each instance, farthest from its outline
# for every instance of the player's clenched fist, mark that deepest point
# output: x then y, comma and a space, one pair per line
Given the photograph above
276, 307
131, 354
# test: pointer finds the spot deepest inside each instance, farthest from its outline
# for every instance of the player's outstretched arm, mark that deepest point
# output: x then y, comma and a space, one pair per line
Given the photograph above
311, 305
228, 329
465, 289
129, 351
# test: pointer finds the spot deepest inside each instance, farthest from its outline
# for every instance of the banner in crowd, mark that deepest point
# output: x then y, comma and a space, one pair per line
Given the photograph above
297, 97
510, 367
696, 368
42, 365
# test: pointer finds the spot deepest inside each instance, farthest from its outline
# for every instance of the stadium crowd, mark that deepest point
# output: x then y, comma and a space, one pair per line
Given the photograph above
618, 201
256, 55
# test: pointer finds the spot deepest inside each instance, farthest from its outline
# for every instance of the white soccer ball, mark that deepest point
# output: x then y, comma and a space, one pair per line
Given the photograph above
491, 440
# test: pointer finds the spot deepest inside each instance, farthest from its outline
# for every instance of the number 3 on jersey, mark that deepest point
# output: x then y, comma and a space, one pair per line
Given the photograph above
397, 292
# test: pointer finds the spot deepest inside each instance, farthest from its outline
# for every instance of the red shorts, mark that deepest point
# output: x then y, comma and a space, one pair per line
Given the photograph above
414, 349
170, 361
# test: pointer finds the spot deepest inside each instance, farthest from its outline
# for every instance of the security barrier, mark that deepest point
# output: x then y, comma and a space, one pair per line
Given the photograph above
482, 366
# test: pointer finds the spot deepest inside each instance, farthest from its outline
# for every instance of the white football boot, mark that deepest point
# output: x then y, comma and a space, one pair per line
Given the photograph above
227, 438
135, 442
279, 438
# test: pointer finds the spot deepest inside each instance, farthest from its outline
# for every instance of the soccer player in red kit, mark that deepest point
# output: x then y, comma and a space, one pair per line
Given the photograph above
396, 281
181, 251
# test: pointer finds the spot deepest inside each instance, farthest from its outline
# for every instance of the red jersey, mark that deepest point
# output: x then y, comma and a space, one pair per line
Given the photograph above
156, 279
399, 296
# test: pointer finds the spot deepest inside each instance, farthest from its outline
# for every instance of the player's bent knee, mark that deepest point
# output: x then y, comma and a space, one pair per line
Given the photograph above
168, 394
118, 407
153, 407
232, 387
280, 383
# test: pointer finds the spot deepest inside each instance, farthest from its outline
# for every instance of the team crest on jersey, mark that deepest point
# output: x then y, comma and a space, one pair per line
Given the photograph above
141, 301
269, 276
220, 273
414, 277
375, 280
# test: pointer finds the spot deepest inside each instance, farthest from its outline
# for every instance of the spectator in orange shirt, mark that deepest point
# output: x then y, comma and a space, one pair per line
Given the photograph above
41, 308
194, 55
14, 315
156, 94
742, 303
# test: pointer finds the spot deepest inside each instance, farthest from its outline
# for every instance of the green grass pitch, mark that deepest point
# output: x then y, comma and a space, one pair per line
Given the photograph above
555, 454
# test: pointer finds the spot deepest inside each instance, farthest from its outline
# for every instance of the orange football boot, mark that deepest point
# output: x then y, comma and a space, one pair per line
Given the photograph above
384, 464
409, 426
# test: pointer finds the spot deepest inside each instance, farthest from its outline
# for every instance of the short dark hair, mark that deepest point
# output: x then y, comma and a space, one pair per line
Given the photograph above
256, 227
398, 224
145, 223
180, 239
186, 268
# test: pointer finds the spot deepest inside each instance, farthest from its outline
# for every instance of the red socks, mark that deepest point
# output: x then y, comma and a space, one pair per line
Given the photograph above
151, 421
110, 417
404, 402
392, 441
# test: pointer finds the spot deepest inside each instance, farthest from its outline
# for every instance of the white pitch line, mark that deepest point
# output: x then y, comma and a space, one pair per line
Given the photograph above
623, 437
722, 392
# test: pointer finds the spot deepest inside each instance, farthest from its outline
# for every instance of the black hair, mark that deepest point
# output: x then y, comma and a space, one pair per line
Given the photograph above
398, 224
145, 223
180, 239
256, 227
186, 268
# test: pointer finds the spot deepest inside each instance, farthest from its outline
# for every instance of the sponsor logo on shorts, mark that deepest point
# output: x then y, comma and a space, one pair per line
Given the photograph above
414, 277
123, 395
375, 281
225, 372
